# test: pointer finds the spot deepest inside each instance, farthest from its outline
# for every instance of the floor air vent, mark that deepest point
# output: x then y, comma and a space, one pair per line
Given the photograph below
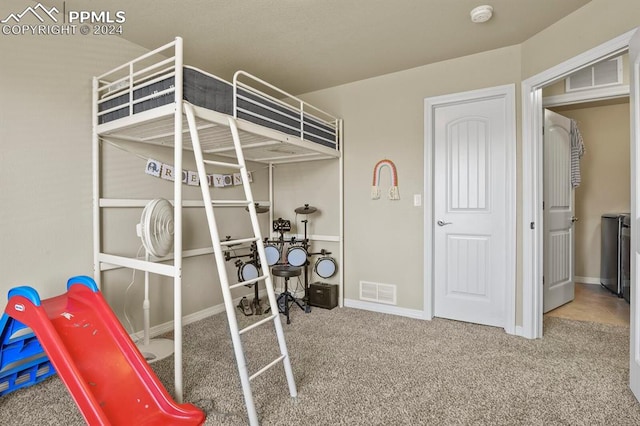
376, 292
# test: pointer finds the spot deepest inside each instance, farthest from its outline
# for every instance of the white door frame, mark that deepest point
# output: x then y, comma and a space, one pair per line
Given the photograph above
532, 224
507, 92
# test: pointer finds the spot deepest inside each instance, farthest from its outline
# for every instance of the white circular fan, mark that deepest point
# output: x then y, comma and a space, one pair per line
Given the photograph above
156, 227
156, 232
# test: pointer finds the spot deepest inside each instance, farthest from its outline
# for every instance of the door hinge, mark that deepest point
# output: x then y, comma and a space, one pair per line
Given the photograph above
543, 205
532, 225
543, 280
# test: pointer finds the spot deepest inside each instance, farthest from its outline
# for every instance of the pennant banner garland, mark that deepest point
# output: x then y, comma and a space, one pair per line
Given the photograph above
165, 171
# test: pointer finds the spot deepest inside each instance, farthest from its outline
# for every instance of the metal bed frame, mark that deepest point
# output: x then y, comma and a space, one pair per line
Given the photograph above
167, 125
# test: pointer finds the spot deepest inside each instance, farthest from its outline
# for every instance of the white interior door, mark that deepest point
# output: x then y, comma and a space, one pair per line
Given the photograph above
559, 212
634, 332
470, 162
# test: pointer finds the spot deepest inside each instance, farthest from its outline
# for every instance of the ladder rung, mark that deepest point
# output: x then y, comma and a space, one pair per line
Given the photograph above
241, 241
240, 203
251, 281
266, 367
223, 164
259, 323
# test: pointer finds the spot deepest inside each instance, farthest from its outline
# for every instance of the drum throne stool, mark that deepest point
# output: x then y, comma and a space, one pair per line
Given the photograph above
286, 299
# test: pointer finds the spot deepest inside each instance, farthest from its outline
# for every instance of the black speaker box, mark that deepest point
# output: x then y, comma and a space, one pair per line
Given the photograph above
323, 295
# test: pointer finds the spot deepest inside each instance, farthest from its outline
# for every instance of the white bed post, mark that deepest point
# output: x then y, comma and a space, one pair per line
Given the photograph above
270, 229
177, 208
95, 159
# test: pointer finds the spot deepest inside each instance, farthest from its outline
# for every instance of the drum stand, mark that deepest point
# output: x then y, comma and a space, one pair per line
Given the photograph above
305, 245
256, 306
306, 210
255, 303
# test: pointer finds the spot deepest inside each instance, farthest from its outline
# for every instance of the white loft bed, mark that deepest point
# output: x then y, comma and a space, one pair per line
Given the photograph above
144, 101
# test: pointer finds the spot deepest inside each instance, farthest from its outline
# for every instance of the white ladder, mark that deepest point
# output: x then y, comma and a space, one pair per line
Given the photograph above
274, 316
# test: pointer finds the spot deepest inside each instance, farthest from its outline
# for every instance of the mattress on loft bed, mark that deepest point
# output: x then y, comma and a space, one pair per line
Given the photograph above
206, 91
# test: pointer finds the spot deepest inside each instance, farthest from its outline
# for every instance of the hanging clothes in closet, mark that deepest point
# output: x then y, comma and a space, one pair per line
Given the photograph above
577, 151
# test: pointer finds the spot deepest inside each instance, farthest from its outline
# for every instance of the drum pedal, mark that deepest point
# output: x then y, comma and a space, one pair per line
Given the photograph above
245, 306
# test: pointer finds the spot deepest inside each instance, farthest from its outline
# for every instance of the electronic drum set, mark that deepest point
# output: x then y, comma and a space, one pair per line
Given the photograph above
287, 258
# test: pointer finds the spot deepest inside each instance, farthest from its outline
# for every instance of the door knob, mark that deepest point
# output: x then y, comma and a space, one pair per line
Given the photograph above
574, 219
443, 223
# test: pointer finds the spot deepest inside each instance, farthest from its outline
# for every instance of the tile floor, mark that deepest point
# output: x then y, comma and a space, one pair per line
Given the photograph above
594, 303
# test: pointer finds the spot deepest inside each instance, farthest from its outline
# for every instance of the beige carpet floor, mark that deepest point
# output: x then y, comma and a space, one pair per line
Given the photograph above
355, 367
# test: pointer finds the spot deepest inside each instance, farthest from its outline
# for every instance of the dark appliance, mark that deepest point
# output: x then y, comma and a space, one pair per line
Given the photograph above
625, 254
611, 252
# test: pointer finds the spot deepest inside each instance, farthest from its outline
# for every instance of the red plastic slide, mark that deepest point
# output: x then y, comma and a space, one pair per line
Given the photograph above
105, 373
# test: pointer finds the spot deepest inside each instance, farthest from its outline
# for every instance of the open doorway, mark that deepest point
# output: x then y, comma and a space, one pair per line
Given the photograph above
532, 213
601, 188
588, 199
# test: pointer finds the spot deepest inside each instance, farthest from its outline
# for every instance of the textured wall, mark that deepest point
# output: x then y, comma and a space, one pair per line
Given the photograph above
384, 118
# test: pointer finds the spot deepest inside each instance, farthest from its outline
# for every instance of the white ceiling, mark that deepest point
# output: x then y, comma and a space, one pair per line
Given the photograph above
305, 45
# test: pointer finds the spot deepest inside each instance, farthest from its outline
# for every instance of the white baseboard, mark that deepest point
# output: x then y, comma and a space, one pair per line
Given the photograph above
166, 327
587, 280
411, 313
383, 309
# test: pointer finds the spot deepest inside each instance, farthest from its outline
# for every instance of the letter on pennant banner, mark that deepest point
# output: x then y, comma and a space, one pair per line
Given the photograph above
167, 172
194, 180
218, 181
153, 167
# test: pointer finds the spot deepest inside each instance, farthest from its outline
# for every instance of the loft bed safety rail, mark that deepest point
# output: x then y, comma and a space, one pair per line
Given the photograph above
122, 89
307, 116
127, 80
109, 90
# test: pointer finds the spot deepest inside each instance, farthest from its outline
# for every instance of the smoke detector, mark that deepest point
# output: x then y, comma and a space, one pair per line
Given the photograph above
481, 14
